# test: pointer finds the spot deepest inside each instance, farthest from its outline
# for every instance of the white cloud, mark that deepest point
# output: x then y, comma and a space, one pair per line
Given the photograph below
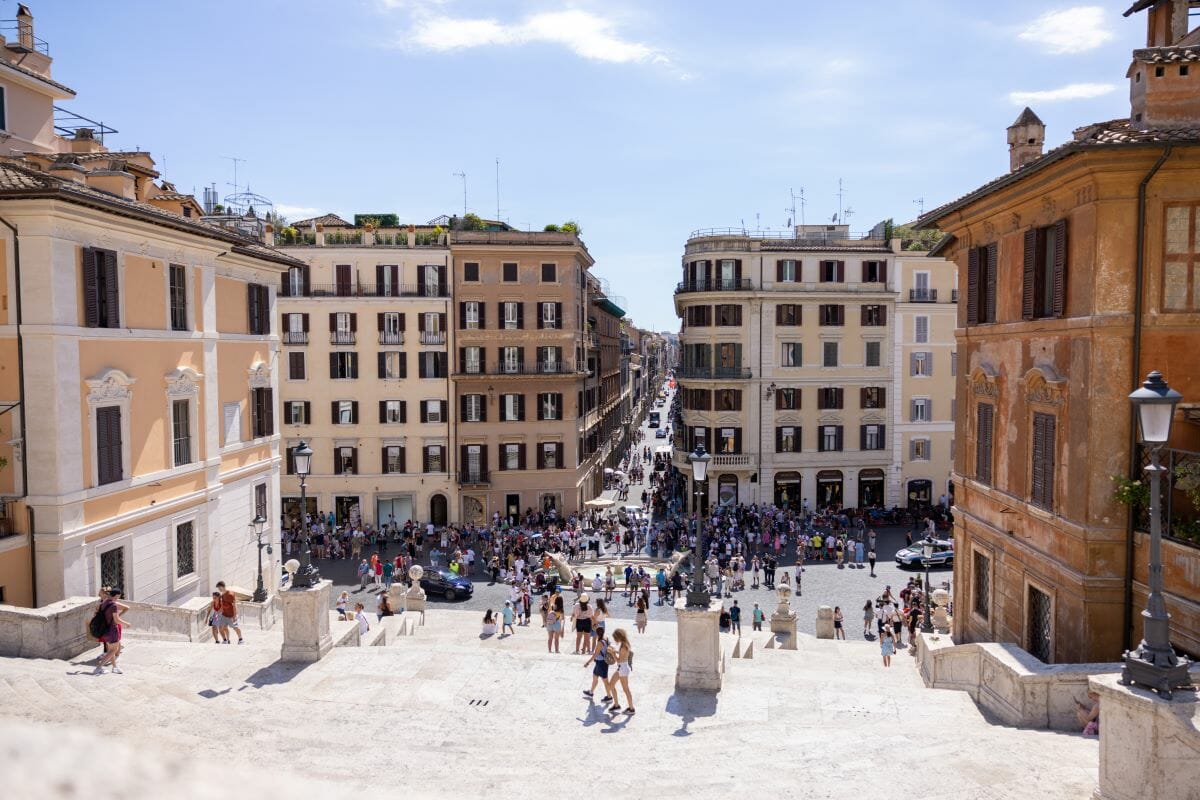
585, 34
291, 213
1072, 91
1071, 30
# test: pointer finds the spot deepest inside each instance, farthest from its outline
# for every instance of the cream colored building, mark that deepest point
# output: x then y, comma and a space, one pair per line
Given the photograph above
364, 373
925, 365
137, 369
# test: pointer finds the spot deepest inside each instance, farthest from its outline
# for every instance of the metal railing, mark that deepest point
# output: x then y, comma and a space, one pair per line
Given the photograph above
391, 337
922, 295
1180, 502
536, 368
473, 476
295, 337
433, 337
342, 337
716, 285
367, 290
24, 38
716, 373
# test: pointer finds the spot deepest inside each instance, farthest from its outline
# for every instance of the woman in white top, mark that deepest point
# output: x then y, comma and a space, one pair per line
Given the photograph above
599, 615
624, 663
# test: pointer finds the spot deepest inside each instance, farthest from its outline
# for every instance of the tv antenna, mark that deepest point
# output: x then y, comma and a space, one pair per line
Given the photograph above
463, 175
840, 192
235, 161
920, 201
497, 190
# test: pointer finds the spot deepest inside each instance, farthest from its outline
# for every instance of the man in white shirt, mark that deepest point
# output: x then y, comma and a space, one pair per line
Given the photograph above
361, 618
597, 584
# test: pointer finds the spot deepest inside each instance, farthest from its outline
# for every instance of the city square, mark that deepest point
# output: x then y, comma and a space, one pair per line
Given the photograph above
640, 482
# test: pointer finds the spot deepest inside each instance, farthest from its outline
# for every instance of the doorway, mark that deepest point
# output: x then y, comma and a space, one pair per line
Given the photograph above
347, 510
399, 508
787, 490
870, 488
512, 508
437, 510
829, 489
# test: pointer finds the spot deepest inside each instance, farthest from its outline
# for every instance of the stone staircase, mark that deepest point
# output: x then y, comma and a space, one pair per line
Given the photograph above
437, 705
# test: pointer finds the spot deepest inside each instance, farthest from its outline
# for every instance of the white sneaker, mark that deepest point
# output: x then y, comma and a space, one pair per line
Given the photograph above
99, 670
117, 670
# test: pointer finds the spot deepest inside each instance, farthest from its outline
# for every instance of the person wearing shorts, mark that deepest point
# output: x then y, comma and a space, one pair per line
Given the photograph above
599, 662
583, 623
228, 617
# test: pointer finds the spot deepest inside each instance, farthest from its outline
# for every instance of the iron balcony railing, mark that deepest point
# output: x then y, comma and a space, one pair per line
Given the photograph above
433, 337
366, 290
476, 477
715, 373
342, 337
1180, 500
521, 368
715, 285
922, 295
391, 337
295, 337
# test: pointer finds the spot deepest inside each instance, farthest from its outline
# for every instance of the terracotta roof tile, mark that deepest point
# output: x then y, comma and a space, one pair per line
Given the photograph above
37, 76
328, 220
1167, 55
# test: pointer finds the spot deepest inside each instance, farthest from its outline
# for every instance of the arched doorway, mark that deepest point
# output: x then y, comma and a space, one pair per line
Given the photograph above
829, 488
437, 510
727, 490
787, 490
870, 488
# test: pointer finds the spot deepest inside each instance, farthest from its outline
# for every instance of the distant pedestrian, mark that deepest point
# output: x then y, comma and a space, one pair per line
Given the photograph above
214, 616
838, 620
735, 619
871, 560
229, 614
756, 618
639, 618
360, 617
112, 609
507, 614
887, 647
868, 618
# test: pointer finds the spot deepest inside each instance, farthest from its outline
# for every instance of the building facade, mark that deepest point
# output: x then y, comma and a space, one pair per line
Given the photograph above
1077, 272
139, 380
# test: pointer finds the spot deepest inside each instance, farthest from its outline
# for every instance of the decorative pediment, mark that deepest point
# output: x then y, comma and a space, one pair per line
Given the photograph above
829, 418
260, 376
1043, 385
183, 382
984, 381
112, 386
874, 418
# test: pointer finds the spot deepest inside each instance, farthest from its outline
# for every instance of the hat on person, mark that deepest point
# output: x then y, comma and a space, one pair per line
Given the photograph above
583, 598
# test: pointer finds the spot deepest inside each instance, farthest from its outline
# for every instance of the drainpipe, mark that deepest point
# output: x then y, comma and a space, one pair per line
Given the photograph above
21, 408
1135, 379
759, 398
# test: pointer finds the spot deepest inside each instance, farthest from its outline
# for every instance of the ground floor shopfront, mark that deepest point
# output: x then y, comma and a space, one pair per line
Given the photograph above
429, 501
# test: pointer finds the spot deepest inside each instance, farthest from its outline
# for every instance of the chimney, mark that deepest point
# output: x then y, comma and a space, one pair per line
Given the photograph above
24, 27
66, 166
1025, 139
115, 180
85, 142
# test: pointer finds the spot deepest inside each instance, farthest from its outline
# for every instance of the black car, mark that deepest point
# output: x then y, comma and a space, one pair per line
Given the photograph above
445, 583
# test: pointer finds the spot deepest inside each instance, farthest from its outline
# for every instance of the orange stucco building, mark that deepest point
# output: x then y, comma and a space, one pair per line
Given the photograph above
1080, 272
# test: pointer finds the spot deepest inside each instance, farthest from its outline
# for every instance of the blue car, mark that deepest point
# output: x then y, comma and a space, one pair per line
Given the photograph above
446, 584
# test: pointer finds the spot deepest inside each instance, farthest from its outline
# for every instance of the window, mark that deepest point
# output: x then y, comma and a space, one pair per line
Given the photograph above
345, 460
296, 283
730, 440
981, 583
509, 272
954, 363
431, 281
833, 315
512, 456
393, 365
921, 410
432, 365
1038, 625
871, 437
698, 316
344, 412
178, 297
185, 549
296, 412
550, 455
829, 352
101, 295
787, 440
258, 301
262, 405
791, 355
109, 451
392, 412
787, 271
872, 356
983, 443
830, 439
471, 313
1183, 70
510, 359
393, 460
729, 399
433, 459
550, 315
729, 358
833, 272
433, 411
829, 398
181, 431
549, 360
729, 315
473, 408
1041, 491
920, 364
471, 271
788, 314
1044, 278
232, 414
549, 273
918, 449
342, 328
472, 360
295, 328
874, 316
512, 408
391, 327
981, 284
343, 365
295, 365
874, 272
112, 568
873, 397
729, 272
549, 406
697, 435
921, 329
512, 316
1181, 259
787, 399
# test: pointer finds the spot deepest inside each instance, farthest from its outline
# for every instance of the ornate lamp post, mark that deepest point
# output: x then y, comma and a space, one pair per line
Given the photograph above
307, 576
1154, 663
927, 550
256, 526
697, 595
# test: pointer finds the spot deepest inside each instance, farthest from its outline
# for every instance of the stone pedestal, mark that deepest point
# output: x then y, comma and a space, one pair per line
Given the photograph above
1148, 745
825, 622
396, 596
306, 623
700, 664
783, 623
414, 600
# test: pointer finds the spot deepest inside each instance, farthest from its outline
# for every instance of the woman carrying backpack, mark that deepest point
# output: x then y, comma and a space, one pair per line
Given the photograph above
111, 609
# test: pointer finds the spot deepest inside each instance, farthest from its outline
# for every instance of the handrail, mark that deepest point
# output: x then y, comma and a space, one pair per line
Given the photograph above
367, 290
715, 285
766, 233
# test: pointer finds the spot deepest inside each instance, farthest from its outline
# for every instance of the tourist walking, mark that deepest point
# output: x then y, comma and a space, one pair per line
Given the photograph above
756, 618
229, 615
624, 662
887, 646
868, 618
838, 629
639, 617
111, 609
582, 617
360, 617
735, 619
214, 616
599, 663
553, 628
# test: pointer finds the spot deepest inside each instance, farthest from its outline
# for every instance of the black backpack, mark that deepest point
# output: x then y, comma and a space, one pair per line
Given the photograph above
98, 626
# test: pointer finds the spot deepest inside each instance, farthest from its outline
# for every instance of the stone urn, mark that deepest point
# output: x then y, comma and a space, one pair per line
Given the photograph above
939, 615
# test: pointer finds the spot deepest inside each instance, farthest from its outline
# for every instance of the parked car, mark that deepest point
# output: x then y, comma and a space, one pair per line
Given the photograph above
660, 433
446, 584
914, 556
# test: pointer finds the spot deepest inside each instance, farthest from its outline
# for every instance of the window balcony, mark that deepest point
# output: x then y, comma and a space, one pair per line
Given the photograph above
342, 337
366, 290
391, 337
473, 477
922, 295
715, 285
433, 337
295, 337
716, 373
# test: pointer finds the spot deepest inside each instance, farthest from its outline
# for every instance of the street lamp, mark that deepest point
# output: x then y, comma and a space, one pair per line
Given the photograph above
256, 526
307, 576
1154, 663
927, 550
697, 596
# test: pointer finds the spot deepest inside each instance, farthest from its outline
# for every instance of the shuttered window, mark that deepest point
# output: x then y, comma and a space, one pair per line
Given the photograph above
1044, 274
101, 293
829, 354
983, 442
178, 297
872, 355
262, 403
109, 461
788, 314
981, 284
833, 315
829, 398
1041, 490
258, 304
181, 431
393, 460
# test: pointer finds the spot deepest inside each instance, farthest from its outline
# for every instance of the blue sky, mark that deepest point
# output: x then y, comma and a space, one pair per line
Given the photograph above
642, 120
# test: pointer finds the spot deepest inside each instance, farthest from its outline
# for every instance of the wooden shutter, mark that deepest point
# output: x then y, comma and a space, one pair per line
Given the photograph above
866, 268
112, 295
108, 444
268, 411
540, 314
883, 272
307, 413
778, 440
1029, 274
291, 460
862, 398
382, 411
91, 289
354, 460
737, 440
912, 449
252, 309
304, 322
862, 437
424, 412
1059, 276
973, 286
541, 409
521, 408
992, 266
420, 280
840, 277
333, 412
983, 443
482, 315
541, 456
354, 411
779, 271
381, 358
379, 281
462, 315
520, 316
307, 281
521, 456
558, 455
462, 408
883, 315
332, 322
421, 323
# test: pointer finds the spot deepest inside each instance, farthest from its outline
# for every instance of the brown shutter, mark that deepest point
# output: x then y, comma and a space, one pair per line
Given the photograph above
420, 280
442, 321
883, 315
379, 268
863, 309
332, 322
866, 265
395, 270
862, 398
541, 456
462, 408
383, 451
91, 289
521, 456
1059, 287
482, 315
382, 411
308, 412
112, 294
841, 272
379, 319
1029, 274
402, 322
402, 357
883, 272
307, 281
862, 437
304, 322
521, 408
1037, 477
462, 316
353, 411
333, 412
520, 316
840, 445
779, 271
354, 460
973, 286
992, 266
269, 405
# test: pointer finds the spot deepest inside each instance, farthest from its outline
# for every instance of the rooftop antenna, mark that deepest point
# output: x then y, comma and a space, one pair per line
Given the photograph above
802, 204
792, 212
463, 175
920, 201
849, 212
235, 161
757, 223
840, 193
497, 190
